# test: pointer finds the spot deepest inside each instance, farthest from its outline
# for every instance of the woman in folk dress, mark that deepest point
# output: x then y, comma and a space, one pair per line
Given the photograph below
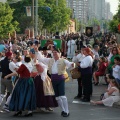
23, 96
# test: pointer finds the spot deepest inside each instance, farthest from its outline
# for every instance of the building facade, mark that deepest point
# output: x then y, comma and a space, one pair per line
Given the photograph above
80, 9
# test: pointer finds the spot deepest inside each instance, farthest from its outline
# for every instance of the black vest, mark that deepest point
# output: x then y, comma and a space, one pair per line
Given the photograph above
5, 67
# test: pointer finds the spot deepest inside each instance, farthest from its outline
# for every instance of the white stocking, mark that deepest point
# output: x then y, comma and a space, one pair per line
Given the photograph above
60, 103
8, 100
65, 103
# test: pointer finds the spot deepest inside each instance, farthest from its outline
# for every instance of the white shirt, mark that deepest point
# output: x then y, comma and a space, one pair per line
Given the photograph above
109, 57
54, 67
12, 66
39, 56
78, 58
86, 62
116, 72
96, 54
19, 63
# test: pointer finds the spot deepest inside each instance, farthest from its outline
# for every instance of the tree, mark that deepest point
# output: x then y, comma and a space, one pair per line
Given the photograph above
58, 16
20, 14
113, 24
50, 15
7, 25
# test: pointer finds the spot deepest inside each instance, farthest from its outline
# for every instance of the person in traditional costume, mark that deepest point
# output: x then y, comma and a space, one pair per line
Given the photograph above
23, 96
45, 97
6, 85
77, 59
86, 73
57, 68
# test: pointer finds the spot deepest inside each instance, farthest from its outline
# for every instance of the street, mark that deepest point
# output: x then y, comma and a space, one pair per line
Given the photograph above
78, 110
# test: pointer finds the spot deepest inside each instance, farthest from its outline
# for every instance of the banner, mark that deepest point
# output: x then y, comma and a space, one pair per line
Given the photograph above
89, 31
56, 42
28, 10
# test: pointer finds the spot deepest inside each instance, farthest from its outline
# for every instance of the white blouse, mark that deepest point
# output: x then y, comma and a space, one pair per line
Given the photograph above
86, 62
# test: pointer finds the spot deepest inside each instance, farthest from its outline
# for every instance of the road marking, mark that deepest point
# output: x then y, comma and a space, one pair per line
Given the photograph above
80, 102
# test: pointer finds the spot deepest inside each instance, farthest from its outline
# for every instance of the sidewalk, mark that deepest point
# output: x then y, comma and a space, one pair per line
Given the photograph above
97, 91
101, 89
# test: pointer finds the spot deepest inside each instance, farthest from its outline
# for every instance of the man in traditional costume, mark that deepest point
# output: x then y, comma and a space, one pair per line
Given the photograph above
6, 84
57, 68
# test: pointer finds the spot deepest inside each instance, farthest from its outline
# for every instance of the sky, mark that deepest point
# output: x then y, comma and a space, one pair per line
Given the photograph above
114, 5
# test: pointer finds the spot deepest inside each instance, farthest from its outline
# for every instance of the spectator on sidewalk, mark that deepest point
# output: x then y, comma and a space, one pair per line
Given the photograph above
116, 69
111, 96
2, 46
102, 65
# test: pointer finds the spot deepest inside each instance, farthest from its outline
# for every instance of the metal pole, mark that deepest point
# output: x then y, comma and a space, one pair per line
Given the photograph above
33, 15
36, 17
56, 5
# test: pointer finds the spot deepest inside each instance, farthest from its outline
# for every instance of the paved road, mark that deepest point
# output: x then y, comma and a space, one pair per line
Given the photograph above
78, 110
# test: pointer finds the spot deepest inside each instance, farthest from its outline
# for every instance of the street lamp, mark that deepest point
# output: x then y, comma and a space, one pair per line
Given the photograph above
36, 17
56, 5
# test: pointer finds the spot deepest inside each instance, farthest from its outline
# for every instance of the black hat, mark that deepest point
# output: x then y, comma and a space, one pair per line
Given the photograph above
36, 42
57, 33
44, 48
84, 46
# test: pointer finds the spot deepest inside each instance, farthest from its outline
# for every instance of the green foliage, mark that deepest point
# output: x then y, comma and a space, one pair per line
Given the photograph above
7, 25
57, 16
93, 22
113, 24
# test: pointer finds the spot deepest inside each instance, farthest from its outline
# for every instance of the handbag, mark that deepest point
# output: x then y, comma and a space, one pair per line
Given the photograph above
75, 73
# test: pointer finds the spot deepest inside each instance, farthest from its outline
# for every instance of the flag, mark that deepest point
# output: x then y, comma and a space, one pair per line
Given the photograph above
28, 10
89, 31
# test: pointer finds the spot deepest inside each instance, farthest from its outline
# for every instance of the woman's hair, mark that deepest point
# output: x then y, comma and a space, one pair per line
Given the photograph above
103, 59
117, 58
27, 58
115, 83
18, 58
0, 53
88, 51
110, 76
16, 53
117, 49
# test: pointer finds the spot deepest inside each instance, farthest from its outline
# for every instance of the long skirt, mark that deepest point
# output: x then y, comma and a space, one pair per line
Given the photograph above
41, 99
23, 96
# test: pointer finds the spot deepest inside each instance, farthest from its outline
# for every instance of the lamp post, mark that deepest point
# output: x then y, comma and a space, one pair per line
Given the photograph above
36, 17
33, 16
56, 5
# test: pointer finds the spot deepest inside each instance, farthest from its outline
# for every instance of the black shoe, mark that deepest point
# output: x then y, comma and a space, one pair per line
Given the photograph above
62, 113
77, 97
85, 100
65, 114
18, 113
96, 84
29, 114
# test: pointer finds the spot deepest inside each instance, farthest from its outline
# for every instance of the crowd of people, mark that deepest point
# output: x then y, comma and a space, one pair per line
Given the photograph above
33, 76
